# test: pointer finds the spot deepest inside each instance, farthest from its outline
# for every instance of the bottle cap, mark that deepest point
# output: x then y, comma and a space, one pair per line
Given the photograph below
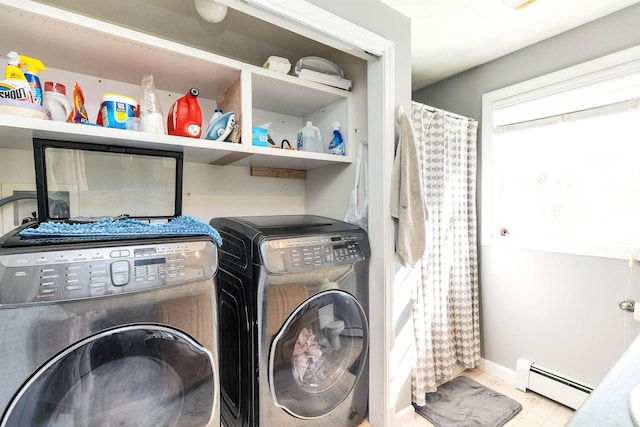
55, 87
14, 58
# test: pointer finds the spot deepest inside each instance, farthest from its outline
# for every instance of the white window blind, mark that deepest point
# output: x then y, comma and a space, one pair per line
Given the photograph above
561, 160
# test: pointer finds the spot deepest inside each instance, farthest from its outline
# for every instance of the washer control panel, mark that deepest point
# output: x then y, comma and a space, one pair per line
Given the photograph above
82, 273
304, 253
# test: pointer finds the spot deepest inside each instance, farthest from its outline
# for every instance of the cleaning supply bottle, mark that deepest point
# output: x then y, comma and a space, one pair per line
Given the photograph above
33, 66
185, 116
13, 71
336, 146
217, 113
309, 139
15, 86
55, 100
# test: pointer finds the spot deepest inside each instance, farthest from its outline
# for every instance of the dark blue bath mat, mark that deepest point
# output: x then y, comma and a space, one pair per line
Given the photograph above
463, 402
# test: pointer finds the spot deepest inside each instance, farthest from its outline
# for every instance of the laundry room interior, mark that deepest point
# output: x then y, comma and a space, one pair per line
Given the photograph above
547, 325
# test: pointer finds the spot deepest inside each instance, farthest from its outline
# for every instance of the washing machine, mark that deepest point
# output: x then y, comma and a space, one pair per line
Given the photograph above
100, 332
103, 329
293, 330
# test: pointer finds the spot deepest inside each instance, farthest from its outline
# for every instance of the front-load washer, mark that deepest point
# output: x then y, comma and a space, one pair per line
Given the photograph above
99, 332
293, 298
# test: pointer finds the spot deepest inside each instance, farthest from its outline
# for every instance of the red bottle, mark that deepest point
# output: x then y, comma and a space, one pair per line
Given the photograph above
185, 117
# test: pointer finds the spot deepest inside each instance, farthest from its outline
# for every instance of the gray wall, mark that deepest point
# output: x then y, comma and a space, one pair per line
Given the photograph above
558, 310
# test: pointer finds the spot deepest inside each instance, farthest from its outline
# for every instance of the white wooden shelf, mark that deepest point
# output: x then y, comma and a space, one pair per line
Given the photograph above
80, 45
17, 130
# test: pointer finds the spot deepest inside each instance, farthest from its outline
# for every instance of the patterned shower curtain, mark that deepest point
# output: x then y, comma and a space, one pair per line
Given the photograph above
445, 301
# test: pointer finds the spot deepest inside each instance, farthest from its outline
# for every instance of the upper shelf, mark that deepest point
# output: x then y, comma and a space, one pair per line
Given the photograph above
78, 44
83, 45
284, 94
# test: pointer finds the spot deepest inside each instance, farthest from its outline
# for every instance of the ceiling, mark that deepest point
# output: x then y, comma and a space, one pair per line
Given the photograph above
448, 36
451, 36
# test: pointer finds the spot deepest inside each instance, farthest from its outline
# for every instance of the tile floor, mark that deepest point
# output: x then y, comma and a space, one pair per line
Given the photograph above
537, 411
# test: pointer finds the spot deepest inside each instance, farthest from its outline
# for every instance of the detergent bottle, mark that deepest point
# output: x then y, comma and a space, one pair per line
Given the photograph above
55, 100
185, 116
15, 86
33, 66
336, 146
309, 139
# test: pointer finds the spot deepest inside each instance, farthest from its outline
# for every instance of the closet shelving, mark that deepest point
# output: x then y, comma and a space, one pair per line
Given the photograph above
75, 47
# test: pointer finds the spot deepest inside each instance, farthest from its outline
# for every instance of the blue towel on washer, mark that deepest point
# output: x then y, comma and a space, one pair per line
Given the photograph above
182, 225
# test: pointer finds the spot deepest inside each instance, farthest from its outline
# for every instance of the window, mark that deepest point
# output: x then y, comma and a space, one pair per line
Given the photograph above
561, 160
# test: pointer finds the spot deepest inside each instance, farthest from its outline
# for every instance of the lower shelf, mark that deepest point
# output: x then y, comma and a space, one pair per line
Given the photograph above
18, 132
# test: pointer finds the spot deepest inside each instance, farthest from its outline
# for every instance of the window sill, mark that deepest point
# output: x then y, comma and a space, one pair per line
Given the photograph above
566, 247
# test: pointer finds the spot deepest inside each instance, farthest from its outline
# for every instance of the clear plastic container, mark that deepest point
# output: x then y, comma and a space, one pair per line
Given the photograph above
309, 139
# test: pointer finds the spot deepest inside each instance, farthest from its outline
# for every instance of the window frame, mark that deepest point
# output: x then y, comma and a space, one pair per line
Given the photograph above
609, 65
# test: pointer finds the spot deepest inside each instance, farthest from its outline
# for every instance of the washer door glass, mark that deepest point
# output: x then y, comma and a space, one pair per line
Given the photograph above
318, 355
143, 375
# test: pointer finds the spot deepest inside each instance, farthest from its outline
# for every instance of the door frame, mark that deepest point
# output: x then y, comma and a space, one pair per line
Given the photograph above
323, 26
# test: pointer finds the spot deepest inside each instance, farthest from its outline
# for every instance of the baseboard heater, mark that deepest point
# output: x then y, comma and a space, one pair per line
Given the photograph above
567, 391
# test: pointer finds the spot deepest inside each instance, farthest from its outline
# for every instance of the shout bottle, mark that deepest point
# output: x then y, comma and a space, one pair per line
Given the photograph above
15, 86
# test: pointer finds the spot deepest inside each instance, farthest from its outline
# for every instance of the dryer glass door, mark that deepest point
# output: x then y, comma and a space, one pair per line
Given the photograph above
142, 375
318, 355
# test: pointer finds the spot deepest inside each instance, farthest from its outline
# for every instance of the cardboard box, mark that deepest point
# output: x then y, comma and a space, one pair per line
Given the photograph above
260, 137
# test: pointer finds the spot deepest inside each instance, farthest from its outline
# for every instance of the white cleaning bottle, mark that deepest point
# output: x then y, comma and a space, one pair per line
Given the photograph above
309, 139
216, 114
55, 100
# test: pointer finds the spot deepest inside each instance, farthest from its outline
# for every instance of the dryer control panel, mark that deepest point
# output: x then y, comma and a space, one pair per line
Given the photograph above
304, 253
78, 273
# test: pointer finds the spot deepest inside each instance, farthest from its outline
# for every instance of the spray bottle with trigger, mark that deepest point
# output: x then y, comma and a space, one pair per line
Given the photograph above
336, 146
33, 66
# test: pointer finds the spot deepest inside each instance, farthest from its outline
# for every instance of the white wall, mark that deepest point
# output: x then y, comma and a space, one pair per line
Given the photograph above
559, 310
16, 173
213, 191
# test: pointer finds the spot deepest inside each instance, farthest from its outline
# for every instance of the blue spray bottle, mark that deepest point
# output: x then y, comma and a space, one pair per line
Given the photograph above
33, 66
336, 146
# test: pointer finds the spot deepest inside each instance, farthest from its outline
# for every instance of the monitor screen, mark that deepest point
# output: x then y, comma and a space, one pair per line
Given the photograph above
84, 181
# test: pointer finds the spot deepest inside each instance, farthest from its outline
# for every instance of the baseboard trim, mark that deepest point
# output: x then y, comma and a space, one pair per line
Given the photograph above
405, 416
498, 370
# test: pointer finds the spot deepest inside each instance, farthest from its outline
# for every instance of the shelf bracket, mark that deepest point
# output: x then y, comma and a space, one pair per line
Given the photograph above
230, 158
279, 173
